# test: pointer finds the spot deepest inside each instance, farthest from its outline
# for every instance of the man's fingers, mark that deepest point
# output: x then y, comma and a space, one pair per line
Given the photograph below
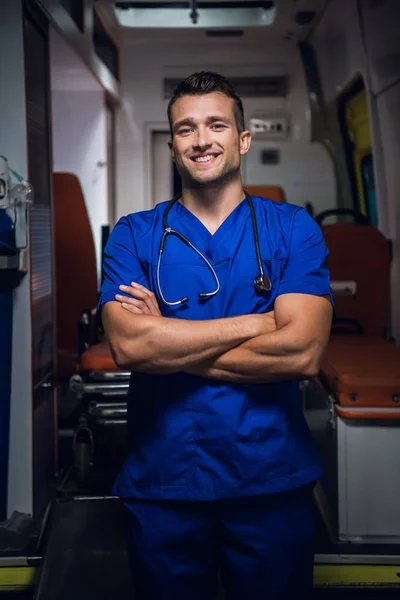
139, 304
138, 288
131, 308
140, 292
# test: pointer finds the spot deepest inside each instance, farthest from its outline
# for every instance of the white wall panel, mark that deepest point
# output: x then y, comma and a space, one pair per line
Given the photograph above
305, 171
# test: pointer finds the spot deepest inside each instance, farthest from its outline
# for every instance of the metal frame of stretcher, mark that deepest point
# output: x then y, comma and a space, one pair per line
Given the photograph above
98, 379
104, 396
83, 358
80, 350
108, 385
103, 388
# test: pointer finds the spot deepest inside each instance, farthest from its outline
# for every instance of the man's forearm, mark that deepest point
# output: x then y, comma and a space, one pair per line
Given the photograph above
267, 358
292, 351
163, 345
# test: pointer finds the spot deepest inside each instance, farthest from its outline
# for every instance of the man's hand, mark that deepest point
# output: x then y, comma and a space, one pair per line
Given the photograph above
141, 300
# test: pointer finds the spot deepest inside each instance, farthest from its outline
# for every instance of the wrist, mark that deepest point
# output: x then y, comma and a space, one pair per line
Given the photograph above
257, 325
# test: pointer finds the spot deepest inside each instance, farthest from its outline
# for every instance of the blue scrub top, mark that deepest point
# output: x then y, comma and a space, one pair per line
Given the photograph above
200, 439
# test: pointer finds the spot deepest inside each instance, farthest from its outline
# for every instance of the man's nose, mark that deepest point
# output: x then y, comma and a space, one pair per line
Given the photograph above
203, 139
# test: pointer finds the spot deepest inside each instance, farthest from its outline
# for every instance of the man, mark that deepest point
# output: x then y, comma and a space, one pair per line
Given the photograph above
222, 465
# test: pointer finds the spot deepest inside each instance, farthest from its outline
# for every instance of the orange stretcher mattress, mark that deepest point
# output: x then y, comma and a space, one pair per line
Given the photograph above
98, 358
362, 373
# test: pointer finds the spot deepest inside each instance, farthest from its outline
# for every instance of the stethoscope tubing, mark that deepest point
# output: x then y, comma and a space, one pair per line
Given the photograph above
261, 280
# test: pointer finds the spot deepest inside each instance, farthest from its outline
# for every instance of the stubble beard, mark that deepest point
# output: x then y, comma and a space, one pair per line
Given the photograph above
216, 181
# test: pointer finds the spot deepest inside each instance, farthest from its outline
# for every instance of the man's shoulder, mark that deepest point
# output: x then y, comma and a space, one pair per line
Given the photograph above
278, 214
291, 220
146, 216
284, 208
141, 222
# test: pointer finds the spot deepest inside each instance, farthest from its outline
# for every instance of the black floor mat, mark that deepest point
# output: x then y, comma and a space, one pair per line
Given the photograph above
85, 553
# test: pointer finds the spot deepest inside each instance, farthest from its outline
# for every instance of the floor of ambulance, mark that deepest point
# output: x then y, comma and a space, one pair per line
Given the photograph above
333, 582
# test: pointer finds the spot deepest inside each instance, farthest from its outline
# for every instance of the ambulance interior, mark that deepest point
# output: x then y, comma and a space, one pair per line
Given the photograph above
84, 128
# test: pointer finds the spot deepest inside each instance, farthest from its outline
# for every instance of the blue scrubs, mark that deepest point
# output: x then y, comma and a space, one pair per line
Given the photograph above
197, 439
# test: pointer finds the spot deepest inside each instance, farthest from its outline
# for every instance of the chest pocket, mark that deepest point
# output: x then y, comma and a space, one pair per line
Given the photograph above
237, 281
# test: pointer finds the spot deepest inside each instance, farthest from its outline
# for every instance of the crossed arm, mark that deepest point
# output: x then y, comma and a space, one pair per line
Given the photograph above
285, 344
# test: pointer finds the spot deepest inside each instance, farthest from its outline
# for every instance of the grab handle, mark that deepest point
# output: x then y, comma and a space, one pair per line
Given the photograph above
358, 217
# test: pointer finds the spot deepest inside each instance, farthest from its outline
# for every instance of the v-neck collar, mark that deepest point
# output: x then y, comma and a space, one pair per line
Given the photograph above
201, 229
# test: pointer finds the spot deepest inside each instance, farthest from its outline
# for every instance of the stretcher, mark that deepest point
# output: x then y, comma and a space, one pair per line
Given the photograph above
84, 359
353, 406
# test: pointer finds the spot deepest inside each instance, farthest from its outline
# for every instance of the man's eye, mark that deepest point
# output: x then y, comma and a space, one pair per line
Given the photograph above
218, 126
183, 131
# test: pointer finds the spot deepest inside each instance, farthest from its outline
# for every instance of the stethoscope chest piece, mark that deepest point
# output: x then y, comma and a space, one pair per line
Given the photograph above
262, 283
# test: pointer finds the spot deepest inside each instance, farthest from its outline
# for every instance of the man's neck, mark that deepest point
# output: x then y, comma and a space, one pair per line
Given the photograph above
213, 205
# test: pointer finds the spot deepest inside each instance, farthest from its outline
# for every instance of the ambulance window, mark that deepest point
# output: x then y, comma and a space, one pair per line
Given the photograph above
355, 125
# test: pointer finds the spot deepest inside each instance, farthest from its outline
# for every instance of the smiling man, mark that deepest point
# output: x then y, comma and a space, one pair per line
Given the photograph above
219, 303
215, 152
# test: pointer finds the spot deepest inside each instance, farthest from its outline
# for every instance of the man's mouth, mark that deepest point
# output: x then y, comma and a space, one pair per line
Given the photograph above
204, 159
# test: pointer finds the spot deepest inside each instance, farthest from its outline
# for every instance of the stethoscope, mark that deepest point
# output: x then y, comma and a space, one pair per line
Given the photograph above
262, 282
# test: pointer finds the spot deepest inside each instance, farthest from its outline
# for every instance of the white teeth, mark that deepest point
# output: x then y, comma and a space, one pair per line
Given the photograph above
204, 158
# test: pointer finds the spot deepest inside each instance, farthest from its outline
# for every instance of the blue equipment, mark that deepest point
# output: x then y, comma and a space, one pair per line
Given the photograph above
7, 243
13, 238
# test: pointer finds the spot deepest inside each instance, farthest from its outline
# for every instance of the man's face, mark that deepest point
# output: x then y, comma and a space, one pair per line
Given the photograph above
206, 144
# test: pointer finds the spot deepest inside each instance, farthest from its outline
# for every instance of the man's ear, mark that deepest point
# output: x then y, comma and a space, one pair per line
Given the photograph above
171, 149
245, 142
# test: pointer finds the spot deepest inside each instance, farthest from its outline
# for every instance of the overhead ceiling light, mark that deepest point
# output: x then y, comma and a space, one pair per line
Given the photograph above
195, 15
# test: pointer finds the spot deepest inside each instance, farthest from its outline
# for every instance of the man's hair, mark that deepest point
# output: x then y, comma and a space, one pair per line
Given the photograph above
207, 82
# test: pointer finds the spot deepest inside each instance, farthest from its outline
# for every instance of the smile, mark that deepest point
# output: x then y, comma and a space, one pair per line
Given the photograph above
207, 158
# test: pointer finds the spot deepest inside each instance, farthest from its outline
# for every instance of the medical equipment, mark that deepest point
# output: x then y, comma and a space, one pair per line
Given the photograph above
262, 282
83, 356
14, 195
